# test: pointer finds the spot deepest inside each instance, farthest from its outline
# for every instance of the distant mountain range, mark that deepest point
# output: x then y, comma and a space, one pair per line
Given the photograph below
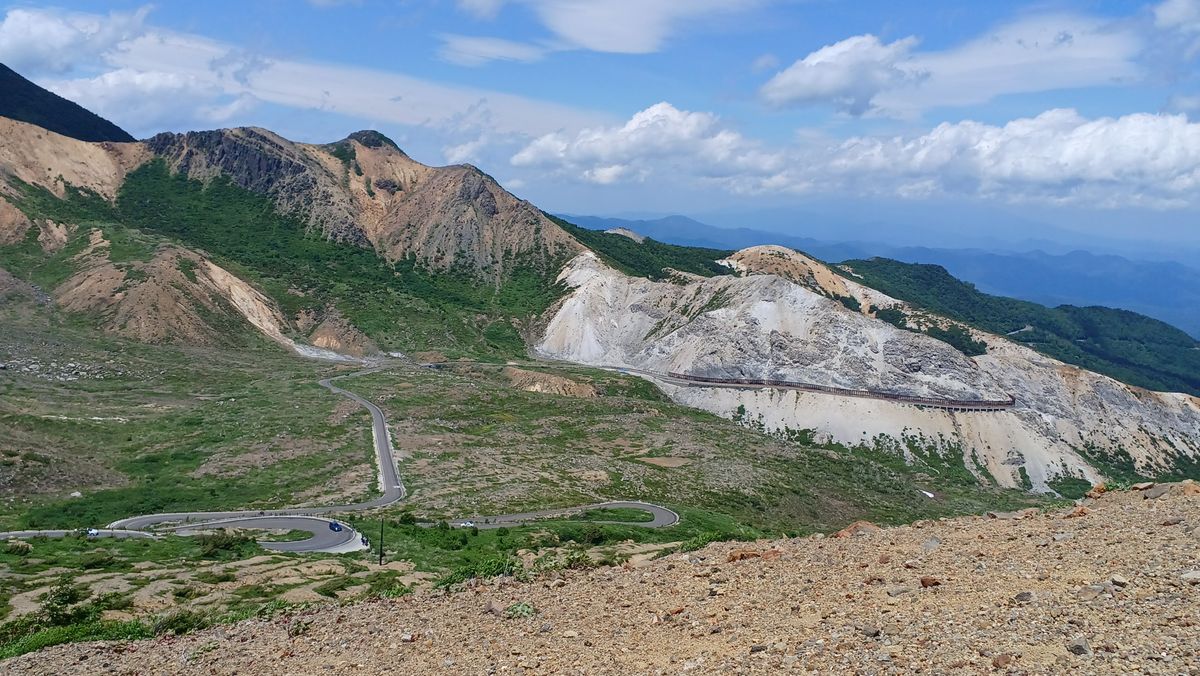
1165, 290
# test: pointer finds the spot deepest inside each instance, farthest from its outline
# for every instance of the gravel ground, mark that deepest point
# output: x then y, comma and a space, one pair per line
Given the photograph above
1113, 587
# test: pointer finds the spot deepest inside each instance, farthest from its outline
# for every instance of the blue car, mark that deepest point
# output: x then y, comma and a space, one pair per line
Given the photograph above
335, 526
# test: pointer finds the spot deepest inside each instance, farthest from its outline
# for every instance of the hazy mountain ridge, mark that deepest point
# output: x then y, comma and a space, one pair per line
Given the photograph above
1067, 278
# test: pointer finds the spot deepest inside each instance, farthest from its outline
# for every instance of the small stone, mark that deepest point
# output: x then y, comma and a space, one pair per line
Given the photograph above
1142, 486
757, 648
1025, 597
871, 631
407, 638
1063, 537
743, 554
1191, 577
1002, 660
495, 608
570, 633
912, 564
898, 591
1076, 513
1119, 580
1173, 521
1156, 492
1090, 592
928, 581
931, 544
1079, 647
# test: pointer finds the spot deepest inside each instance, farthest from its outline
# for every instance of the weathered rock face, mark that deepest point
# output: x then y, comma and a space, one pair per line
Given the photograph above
364, 190
51, 161
766, 327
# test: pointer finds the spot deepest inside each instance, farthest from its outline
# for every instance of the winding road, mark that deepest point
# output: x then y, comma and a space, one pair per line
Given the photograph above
331, 535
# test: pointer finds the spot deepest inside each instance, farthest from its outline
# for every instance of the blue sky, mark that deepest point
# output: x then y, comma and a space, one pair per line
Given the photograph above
1081, 116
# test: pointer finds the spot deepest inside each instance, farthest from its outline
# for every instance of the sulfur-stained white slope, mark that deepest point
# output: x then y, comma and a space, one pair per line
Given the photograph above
766, 327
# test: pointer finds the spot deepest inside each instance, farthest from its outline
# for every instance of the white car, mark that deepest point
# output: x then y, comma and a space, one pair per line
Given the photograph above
467, 524
92, 532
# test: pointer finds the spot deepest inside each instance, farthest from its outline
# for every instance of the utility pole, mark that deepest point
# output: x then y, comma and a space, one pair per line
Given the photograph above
381, 541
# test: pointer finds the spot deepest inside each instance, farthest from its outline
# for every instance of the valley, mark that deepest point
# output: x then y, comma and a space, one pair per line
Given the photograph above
292, 374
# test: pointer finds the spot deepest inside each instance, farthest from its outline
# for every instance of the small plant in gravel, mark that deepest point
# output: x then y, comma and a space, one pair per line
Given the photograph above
521, 610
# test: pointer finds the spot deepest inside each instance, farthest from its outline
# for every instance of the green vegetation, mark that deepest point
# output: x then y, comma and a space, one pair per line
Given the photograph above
648, 258
623, 514
401, 305
1125, 345
23, 100
958, 338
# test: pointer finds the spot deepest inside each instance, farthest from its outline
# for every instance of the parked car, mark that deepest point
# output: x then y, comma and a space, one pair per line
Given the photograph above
467, 524
335, 526
92, 532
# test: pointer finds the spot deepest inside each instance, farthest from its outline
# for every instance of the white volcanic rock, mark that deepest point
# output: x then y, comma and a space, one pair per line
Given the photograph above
766, 327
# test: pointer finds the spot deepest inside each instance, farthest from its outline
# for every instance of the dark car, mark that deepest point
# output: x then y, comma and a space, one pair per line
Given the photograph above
335, 526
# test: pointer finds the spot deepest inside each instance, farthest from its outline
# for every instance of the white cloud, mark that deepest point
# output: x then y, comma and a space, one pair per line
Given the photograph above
848, 74
617, 26
660, 140
153, 99
1183, 103
1034, 54
1058, 157
765, 62
473, 51
188, 79
36, 41
1182, 18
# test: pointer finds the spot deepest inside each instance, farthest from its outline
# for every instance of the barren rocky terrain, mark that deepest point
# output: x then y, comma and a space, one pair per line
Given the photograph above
1108, 587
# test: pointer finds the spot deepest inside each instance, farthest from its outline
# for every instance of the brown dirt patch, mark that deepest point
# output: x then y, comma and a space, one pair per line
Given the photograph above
547, 383
667, 461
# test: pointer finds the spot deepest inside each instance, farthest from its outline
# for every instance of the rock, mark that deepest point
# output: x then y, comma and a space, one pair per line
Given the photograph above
1142, 486
912, 564
758, 648
1076, 513
1079, 647
494, 607
1002, 661
742, 555
75, 494
1156, 492
407, 638
570, 633
1189, 487
898, 591
1090, 592
1173, 521
928, 581
1062, 537
1191, 577
1025, 597
1119, 581
857, 528
1097, 490
870, 631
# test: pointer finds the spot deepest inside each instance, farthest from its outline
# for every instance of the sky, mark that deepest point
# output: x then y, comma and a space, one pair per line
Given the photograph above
965, 121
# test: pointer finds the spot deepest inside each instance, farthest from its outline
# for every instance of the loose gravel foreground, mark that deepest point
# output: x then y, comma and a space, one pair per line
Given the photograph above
1110, 587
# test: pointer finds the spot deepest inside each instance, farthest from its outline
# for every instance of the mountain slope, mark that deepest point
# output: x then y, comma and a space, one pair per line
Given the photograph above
364, 190
1066, 422
22, 100
1131, 347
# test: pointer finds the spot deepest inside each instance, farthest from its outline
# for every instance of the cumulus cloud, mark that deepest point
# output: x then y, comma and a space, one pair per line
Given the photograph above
1181, 19
35, 41
848, 74
1149, 160
1040, 53
659, 140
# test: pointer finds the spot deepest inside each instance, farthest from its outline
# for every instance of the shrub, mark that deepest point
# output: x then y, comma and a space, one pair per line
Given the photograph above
99, 558
18, 548
520, 610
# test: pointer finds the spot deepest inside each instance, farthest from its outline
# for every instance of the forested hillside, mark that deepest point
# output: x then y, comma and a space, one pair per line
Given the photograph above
1124, 345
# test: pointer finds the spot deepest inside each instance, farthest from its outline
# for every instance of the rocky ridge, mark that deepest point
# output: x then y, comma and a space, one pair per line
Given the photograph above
1110, 587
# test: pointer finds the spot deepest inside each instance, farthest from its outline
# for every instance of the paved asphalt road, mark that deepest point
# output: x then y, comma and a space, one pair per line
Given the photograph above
308, 519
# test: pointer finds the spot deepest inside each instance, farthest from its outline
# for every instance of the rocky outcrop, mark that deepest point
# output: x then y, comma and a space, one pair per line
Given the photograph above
767, 327
364, 190
13, 223
547, 383
334, 332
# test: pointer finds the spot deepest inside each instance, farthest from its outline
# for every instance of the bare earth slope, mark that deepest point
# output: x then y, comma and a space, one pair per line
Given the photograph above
1114, 591
365, 190
770, 327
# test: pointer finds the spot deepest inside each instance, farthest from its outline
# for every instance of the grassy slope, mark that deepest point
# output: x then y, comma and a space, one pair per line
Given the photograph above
648, 258
1125, 345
